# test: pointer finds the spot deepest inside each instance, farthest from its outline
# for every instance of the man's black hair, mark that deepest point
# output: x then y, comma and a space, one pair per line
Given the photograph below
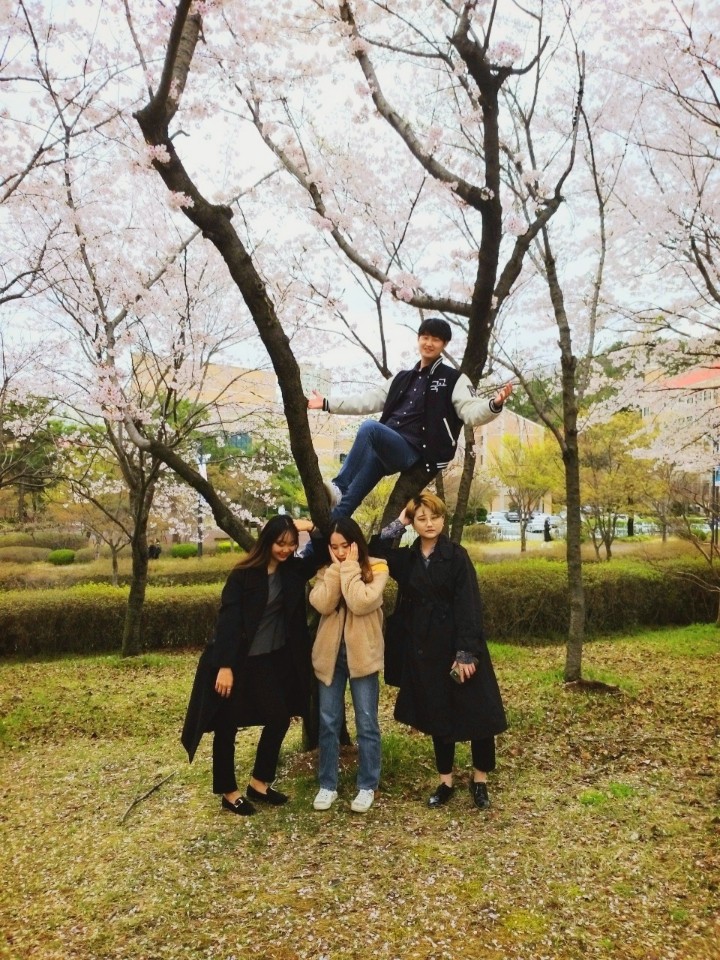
435, 327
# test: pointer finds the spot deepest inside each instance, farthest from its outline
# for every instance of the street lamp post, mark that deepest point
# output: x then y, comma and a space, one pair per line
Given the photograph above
715, 517
202, 461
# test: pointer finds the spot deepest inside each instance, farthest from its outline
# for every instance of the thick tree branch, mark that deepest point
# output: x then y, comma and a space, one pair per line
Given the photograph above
214, 222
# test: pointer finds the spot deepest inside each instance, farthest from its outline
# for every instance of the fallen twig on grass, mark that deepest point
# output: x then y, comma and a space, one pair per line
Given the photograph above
145, 795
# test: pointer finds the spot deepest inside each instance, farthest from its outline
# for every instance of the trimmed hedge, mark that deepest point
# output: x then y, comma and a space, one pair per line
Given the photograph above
184, 550
90, 619
528, 600
61, 558
86, 555
40, 579
480, 533
17, 539
227, 546
26, 554
50, 538
525, 602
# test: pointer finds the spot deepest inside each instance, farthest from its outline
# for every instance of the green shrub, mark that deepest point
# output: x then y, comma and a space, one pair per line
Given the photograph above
85, 555
61, 558
184, 550
479, 533
226, 546
89, 619
528, 600
700, 533
59, 539
523, 602
19, 539
51, 539
23, 554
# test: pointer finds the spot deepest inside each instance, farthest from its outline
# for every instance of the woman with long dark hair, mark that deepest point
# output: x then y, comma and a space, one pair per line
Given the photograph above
256, 670
348, 594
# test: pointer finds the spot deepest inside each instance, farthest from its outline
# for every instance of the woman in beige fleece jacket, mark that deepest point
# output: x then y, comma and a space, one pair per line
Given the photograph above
348, 594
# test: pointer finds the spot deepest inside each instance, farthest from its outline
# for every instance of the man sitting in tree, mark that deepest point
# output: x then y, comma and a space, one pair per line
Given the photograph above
423, 410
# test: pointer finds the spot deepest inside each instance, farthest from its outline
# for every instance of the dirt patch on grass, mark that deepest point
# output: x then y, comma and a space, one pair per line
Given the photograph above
602, 840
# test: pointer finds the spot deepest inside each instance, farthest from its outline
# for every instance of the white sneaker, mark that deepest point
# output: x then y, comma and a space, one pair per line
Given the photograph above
363, 801
324, 799
334, 493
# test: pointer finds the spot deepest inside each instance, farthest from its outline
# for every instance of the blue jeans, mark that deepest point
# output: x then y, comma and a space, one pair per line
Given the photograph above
377, 452
365, 695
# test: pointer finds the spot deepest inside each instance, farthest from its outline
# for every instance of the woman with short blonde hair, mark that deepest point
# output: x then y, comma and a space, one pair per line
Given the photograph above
446, 678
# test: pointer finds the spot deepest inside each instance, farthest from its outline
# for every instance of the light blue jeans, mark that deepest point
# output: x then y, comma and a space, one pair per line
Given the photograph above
365, 693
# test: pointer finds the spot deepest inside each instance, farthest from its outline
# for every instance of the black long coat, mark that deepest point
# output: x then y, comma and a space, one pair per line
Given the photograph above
243, 603
440, 611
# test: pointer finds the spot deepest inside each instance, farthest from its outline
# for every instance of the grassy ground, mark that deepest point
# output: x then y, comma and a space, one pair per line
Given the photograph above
602, 840
41, 575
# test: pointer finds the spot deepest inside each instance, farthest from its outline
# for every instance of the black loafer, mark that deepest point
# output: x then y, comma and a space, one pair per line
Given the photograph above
273, 797
479, 793
241, 806
441, 796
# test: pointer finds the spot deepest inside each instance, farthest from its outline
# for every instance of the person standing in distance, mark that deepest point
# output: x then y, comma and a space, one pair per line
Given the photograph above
423, 411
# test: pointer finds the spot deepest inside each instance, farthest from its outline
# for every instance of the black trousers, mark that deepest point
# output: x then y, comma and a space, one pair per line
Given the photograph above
483, 754
267, 681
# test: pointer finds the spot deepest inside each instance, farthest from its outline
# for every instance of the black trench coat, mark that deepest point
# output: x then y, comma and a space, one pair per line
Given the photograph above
243, 603
440, 613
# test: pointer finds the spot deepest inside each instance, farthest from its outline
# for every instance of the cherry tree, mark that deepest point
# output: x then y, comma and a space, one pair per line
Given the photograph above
443, 130
674, 194
142, 324
584, 266
28, 430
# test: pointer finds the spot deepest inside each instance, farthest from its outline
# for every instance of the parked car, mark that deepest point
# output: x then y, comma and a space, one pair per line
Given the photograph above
495, 518
537, 524
512, 516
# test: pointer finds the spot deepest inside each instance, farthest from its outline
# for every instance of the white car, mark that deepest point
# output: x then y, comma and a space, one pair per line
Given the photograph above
495, 518
537, 524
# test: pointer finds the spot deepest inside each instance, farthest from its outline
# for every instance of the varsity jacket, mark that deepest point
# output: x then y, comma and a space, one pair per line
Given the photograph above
450, 400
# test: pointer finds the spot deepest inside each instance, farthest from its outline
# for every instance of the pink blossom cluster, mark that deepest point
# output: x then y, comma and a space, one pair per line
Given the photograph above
505, 53
515, 225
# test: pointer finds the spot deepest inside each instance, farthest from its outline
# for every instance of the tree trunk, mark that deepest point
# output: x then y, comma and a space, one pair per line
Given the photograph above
215, 222
21, 502
571, 461
141, 478
607, 543
576, 589
409, 484
115, 565
133, 627
466, 478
